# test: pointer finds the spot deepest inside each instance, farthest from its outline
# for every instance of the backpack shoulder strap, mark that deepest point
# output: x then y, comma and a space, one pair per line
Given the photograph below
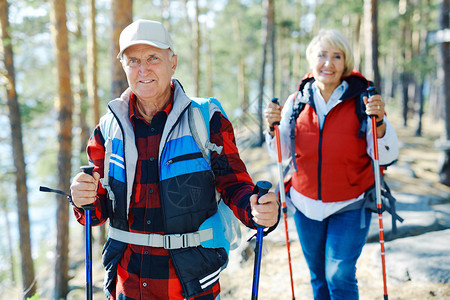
199, 117
301, 97
360, 110
200, 111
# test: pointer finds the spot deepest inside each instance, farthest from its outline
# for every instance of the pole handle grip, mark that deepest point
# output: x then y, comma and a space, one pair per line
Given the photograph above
371, 91
272, 127
262, 187
88, 170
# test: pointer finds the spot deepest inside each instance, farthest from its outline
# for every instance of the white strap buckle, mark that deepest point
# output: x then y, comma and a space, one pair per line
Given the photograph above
173, 241
179, 241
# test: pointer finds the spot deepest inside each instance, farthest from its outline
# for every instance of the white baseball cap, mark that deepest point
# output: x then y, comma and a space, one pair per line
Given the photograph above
145, 32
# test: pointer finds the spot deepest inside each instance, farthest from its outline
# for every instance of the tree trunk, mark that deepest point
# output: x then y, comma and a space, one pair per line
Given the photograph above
197, 45
82, 111
267, 27
420, 102
187, 31
390, 68
423, 48
122, 16
165, 14
65, 105
405, 75
80, 96
4, 207
242, 80
9, 239
371, 58
28, 276
357, 43
209, 64
444, 48
92, 85
285, 59
271, 31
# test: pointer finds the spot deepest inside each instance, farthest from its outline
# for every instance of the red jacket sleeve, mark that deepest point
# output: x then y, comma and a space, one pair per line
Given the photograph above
232, 179
96, 155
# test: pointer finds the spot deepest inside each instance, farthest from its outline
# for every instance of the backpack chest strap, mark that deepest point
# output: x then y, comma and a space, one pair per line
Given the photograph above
166, 241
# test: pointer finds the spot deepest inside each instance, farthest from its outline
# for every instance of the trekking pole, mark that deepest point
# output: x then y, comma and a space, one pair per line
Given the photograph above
262, 188
283, 196
87, 217
376, 166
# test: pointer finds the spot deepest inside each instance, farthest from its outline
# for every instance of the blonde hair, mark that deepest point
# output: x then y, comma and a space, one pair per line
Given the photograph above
335, 39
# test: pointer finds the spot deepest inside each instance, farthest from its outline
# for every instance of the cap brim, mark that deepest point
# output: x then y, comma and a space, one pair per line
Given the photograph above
144, 42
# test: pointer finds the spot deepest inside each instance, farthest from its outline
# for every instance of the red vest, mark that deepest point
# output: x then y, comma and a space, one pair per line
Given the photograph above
333, 164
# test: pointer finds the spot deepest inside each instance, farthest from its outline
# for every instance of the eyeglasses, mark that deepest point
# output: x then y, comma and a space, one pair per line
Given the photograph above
136, 62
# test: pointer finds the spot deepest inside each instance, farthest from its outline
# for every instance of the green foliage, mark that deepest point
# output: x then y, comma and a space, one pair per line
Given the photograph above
337, 14
36, 296
227, 50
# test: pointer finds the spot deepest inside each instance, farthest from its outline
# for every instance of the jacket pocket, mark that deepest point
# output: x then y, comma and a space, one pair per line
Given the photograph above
198, 268
112, 252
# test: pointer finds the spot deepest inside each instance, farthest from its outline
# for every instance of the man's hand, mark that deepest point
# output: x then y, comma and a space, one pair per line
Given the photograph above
265, 213
84, 188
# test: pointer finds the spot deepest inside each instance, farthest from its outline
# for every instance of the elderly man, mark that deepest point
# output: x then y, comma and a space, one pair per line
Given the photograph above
158, 190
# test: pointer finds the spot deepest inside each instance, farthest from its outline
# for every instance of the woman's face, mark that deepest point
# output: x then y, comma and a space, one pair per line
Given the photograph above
328, 64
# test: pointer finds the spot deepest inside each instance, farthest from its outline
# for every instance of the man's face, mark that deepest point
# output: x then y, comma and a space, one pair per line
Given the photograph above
149, 71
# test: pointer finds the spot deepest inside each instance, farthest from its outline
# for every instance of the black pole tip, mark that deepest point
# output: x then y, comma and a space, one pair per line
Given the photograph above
87, 169
371, 91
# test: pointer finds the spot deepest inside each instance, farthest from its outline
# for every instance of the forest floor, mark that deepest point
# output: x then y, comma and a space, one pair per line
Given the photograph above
416, 174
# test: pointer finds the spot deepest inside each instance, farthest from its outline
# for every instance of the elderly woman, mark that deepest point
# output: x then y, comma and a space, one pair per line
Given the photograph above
332, 150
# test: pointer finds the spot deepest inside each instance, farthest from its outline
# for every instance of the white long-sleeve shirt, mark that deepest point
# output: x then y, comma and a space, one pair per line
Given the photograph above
387, 151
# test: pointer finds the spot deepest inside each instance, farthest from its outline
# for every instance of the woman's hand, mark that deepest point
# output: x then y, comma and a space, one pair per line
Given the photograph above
375, 107
272, 113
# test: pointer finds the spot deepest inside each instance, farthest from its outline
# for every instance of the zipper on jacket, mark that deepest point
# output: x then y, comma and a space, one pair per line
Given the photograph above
169, 133
319, 167
171, 255
320, 150
184, 157
117, 119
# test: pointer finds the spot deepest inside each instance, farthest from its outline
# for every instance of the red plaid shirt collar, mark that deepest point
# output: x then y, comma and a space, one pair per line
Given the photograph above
134, 112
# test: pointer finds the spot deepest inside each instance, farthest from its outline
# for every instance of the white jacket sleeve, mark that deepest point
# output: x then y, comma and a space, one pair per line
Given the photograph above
388, 147
285, 132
